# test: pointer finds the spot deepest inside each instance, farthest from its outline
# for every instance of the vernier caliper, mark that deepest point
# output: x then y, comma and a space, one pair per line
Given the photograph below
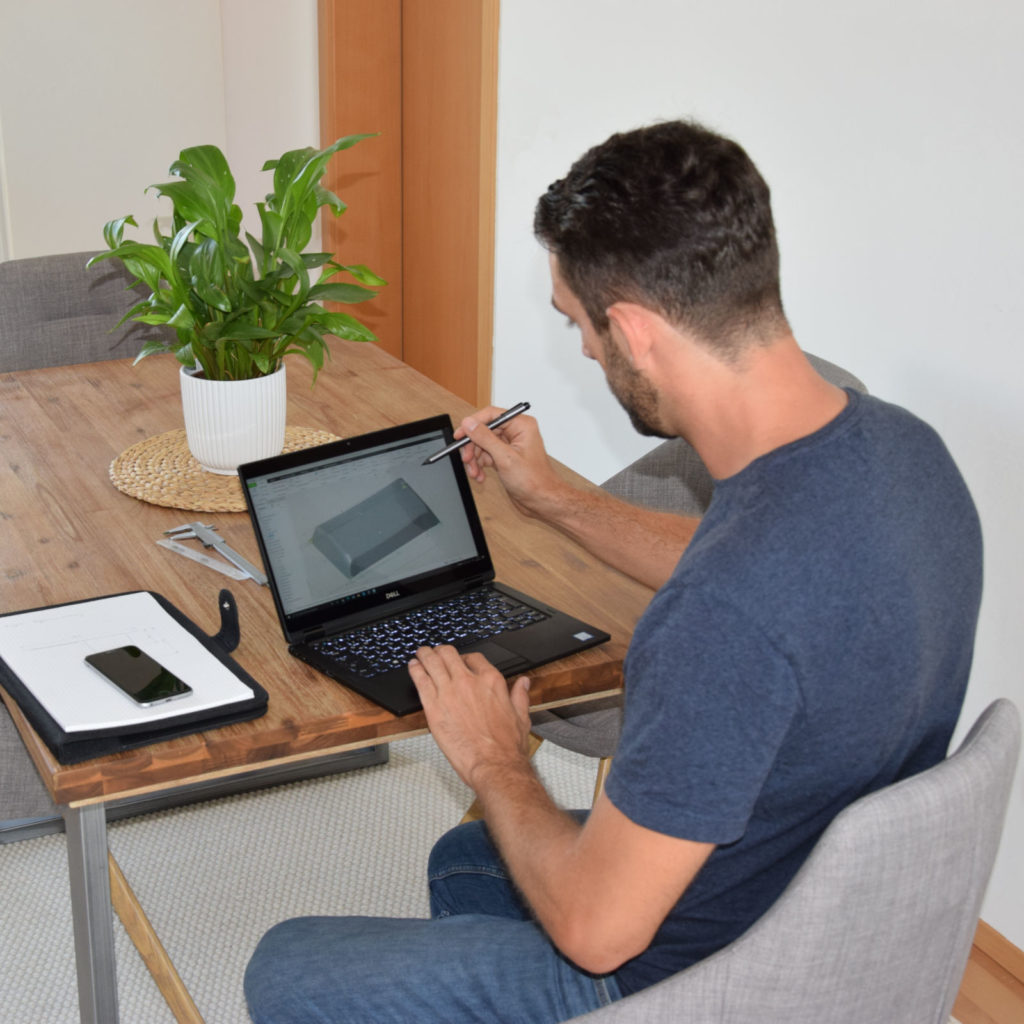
211, 539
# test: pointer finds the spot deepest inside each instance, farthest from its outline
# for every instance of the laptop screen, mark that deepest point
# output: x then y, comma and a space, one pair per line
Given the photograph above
356, 524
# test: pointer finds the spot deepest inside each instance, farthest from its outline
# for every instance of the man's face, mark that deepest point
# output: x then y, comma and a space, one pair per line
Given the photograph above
634, 391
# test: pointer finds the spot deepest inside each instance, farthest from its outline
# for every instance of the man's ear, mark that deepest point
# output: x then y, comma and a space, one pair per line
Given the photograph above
634, 328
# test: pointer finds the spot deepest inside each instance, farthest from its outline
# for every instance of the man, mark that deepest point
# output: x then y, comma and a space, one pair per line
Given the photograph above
811, 645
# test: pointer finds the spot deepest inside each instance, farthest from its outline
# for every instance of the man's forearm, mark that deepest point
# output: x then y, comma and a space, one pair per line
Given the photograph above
600, 890
538, 842
638, 541
641, 542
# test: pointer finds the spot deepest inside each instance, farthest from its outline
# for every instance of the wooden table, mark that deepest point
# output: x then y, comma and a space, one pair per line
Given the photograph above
68, 534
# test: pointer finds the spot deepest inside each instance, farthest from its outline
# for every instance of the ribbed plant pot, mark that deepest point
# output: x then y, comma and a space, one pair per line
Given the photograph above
229, 422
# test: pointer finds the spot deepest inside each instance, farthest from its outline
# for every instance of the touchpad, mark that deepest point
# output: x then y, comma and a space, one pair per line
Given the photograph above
504, 660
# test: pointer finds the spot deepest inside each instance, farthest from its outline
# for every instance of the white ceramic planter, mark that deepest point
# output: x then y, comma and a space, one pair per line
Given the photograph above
229, 422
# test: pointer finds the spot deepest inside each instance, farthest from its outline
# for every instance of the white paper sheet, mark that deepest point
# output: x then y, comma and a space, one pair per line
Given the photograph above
46, 650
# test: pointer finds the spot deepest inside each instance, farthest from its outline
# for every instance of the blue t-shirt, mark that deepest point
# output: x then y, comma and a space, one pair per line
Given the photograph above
812, 645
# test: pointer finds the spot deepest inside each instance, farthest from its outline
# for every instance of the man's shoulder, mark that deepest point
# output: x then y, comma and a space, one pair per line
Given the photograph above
872, 494
867, 432
873, 453
895, 422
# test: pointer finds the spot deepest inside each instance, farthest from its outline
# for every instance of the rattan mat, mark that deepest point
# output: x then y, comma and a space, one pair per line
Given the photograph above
162, 471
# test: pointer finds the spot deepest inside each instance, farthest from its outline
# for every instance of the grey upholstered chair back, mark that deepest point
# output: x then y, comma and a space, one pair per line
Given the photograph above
878, 923
54, 311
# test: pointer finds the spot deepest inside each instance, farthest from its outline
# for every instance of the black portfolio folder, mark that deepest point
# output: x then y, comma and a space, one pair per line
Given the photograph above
70, 748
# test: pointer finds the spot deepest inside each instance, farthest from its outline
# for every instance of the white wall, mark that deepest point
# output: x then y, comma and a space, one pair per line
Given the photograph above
891, 135
97, 99
271, 89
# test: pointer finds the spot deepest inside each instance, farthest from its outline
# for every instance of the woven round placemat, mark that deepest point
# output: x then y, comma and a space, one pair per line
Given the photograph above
162, 471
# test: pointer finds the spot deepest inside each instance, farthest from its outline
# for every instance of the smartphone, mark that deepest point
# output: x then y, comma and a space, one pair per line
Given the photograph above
138, 675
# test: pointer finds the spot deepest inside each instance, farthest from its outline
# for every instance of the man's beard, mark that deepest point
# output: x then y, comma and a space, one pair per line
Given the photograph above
634, 392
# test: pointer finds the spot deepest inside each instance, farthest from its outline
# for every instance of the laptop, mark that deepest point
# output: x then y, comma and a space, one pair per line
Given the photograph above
369, 554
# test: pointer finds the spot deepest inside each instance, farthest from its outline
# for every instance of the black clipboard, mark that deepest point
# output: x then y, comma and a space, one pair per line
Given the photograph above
71, 748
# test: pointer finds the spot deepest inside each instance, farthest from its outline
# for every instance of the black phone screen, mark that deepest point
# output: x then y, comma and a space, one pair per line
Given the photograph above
138, 675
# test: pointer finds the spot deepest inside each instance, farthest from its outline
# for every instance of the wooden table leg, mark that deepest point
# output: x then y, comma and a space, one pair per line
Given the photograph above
604, 766
155, 957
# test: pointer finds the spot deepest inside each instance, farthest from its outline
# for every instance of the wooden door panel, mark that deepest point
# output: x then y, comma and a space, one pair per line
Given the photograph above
424, 73
360, 49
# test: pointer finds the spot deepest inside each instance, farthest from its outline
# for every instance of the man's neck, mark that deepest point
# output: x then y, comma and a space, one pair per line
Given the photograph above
735, 413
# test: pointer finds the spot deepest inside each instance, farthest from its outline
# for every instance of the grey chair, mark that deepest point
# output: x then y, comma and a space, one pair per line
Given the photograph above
55, 311
877, 925
670, 478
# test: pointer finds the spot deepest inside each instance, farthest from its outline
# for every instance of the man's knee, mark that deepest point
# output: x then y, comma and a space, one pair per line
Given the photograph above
293, 964
468, 844
368, 970
263, 976
466, 875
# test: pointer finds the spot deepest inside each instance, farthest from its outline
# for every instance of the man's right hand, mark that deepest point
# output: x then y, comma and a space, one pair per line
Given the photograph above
641, 542
516, 452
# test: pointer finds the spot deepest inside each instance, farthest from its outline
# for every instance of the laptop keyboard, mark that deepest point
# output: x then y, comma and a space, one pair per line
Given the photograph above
463, 620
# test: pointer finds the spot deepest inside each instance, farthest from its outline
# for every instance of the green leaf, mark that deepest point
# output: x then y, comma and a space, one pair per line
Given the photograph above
185, 355
208, 275
312, 260
363, 274
339, 293
181, 317
342, 325
294, 261
206, 192
180, 240
265, 363
113, 231
273, 226
153, 319
257, 248
207, 166
239, 331
297, 176
150, 348
324, 197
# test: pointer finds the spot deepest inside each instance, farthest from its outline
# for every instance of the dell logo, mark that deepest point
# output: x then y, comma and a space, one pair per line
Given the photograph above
390, 594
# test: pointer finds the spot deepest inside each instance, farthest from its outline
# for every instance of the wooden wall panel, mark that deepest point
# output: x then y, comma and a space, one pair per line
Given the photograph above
425, 73
448, 114
360, 53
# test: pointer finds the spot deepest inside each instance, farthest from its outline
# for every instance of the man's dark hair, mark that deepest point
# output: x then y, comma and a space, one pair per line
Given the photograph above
675, 218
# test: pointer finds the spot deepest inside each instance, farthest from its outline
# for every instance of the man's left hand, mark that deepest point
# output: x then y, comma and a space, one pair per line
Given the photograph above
477, 720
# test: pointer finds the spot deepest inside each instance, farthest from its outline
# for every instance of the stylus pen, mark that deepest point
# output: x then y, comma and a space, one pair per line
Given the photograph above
456, 445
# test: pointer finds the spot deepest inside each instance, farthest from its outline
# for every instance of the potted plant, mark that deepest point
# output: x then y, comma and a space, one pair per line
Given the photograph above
238, 307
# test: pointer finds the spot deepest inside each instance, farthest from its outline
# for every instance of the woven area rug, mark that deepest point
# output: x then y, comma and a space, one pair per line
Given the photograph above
215, 876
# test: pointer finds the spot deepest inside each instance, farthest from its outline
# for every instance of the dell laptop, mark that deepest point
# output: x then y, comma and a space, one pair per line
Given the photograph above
371, 553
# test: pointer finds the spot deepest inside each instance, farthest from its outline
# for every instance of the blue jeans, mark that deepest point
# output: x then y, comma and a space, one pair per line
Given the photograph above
481, 958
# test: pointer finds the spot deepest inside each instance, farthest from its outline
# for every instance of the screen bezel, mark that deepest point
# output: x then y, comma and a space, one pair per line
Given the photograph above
299, 625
